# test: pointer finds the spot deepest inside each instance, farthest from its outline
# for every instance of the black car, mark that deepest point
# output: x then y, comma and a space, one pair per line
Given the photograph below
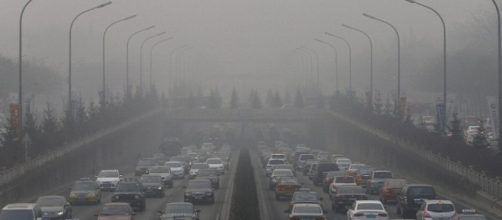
152, 185
320, 171
179, 210
54, 207
143, 166
345, 196
199, 190
210, 174
130, 190
411, 197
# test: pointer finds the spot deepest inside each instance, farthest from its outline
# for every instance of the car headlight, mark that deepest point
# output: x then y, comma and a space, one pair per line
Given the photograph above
160, 188
91, 194
188, 194
60, 213
73, 195
137, 197
209, 193
115, 197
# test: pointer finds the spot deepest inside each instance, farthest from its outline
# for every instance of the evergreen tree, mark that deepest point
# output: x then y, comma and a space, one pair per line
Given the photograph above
277, 101
287, 98
32, 130
234, 100
456, 128
320, 101
269, 100
191, 102
299, 99
50, 128
255, 100
11, 150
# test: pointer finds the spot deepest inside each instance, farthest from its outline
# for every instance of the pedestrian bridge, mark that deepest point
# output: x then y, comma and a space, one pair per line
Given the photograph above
247, 115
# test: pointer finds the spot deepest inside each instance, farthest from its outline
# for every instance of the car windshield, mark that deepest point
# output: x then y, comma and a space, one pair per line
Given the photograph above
110, 173
128, 187
151, 179
307, 209
179, 209
146, 163
343, 161
214, 161
323, 167
199, 185
200, 166
421, 191
306, 196
356, 166
350, 190
173, 164
278, 156
115, 210
370, 206
382, 175
345, 179
282, 173
16, 215
275, 162
307, 157
164, 169
335, 173
206, 172
51, 201
395, 183
84, 186
440, 207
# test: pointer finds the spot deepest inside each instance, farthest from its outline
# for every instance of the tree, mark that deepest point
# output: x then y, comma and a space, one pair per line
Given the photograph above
215, 100
32, 130
191, 102
277, 101
456, 128
50, 128
320, 101
234, 100
299, 99
269, 100
287, 98
11, 150
480, 140
254, 99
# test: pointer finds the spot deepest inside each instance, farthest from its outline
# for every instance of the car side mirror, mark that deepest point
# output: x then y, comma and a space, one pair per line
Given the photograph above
197, 210
321, 198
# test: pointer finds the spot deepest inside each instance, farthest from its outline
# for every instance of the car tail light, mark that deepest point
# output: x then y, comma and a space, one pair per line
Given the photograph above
382, 214
358, 214
427, 215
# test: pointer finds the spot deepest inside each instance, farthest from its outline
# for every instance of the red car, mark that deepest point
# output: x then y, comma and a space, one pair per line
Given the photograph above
390, 189
115, 211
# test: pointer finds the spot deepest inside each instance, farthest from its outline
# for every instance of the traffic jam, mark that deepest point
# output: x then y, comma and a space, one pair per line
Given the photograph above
314, 184
114, 195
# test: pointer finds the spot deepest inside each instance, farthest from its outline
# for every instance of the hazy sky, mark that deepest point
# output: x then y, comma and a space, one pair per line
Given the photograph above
234, 39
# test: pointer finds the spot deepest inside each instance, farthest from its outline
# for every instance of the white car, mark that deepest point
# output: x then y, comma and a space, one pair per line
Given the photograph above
194, 169
277, 174
177, 169
307, 211
340, 181
216, 163
164, 172
343, 163
108, 179
269, 167
367, 209
278, 156
436, 209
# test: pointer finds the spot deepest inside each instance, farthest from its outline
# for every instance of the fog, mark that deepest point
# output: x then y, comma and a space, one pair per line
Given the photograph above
237, 43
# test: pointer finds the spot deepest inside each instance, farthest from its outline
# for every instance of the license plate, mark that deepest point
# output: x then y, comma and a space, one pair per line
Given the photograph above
371, 216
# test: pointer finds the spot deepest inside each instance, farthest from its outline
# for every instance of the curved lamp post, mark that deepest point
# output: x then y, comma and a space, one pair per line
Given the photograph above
151, 58
350, 57
141, 58
335, 53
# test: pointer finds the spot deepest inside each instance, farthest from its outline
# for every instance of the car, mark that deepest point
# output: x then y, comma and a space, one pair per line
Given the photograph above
436, 209
306, 211
199, 190
285, 187
469, 214
319, 171
377, 179
345, 196
411, 196
85, 191
308, 167
285, 166
54, 207
367, 209
108, 179
216, 163
143, 166
305, 196
362, 175
210, 174
130, 190
333, 157
354, 168
164, 172
194, 169
115, 210
390, 189
152, 185
177, 169
323, 156
277, 174
278, 156
328, 178
271, 163
340, 181
302, 160
23, 211
179, 210
343, 163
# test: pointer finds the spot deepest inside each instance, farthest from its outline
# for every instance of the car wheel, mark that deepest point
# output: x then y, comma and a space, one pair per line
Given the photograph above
398, 209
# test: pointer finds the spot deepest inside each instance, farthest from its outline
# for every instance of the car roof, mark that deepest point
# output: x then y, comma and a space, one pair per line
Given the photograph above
307, 205
111, 170
20, 206
440, 201
116, 204
368, 202
278, 170
418, 185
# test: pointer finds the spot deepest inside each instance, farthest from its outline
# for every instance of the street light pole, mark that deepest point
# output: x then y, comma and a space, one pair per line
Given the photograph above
350, 58
151, 58
398, 101
316, 55
499, 40
370, 100
20, 63
70, 105
444, 120
335, 53
103, 98
172, 63
141, 58
128, 91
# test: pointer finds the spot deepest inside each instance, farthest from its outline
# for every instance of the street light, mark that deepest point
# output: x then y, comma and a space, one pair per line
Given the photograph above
151, 57
335, 53
310, 60
20, 95
171, 65
141, 58
128, 92
104, 54
350, 58
370, 100
398, 101
70, 54
499, 38
306, 65
443, 113
316, 55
